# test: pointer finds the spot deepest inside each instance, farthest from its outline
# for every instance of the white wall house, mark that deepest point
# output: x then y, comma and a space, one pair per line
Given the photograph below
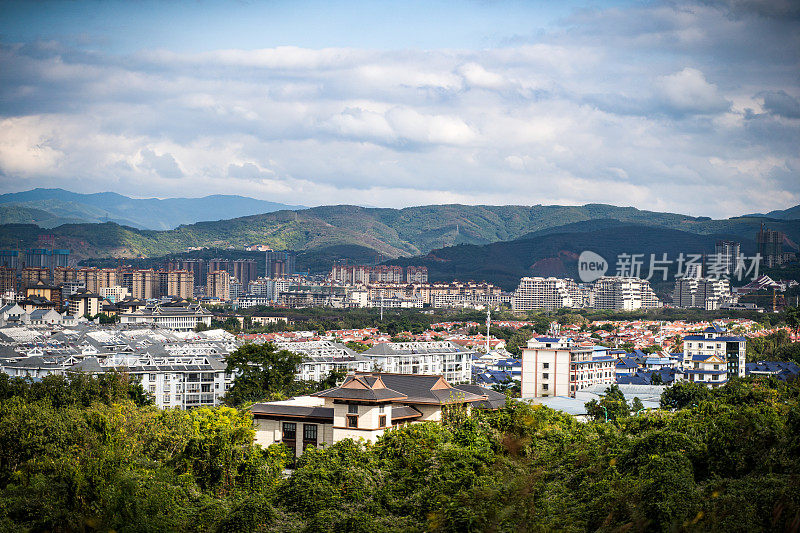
363, 407
555, 366
713, 357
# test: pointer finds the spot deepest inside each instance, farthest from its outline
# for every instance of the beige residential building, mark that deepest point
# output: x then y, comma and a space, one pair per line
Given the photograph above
178, 283
547, 293
218, 285
84, 303
114, 294
363, 407
623, 294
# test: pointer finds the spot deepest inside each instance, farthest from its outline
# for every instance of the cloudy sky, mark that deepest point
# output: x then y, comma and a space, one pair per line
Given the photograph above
692, 107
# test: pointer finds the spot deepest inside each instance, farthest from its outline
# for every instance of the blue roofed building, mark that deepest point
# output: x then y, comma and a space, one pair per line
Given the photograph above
783, 370
713, 357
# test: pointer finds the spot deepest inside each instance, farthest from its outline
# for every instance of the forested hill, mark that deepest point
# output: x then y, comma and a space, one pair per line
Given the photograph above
555, 251
389, 233
45, 207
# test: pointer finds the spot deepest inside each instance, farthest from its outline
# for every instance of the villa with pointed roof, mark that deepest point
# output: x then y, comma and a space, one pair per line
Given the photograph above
364, 406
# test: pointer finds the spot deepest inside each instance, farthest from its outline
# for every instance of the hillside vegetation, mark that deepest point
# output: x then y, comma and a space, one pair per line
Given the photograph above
144, 213
390, 233
90, 454
555, 252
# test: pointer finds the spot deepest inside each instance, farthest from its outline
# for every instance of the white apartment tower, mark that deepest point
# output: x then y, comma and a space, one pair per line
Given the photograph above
546, 293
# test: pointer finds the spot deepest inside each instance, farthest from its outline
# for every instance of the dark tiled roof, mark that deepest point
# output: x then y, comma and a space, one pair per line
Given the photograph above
292, 411
364, 389
494, 399
419, 389
404, 412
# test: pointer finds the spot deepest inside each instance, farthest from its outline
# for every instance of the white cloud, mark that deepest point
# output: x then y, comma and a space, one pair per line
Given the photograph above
688, 91
623, 106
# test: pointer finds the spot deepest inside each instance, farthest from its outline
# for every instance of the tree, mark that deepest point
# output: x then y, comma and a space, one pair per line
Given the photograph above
793, 318
636, 405
261, 370
611, 407
684, 394
357, 346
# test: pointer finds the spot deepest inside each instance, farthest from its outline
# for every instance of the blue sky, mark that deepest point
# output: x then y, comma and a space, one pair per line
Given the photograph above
125, 27
686, 106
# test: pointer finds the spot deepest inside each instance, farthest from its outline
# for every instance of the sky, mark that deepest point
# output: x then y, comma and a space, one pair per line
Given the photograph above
689, 107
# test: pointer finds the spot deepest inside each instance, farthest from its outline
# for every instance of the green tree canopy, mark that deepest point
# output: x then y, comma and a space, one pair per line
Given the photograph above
261, 370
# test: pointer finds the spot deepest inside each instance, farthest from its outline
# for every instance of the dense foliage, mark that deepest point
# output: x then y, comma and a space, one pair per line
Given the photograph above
264, 372
776, 346
77, 460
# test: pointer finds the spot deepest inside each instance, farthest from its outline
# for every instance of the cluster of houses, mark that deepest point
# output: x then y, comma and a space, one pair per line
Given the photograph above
387, 385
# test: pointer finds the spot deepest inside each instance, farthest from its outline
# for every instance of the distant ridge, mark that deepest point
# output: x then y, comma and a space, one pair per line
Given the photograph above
147, 213
351, 232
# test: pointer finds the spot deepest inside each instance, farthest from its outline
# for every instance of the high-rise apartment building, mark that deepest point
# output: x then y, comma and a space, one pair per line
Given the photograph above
218, 285
142, 284
44, 258
197, 267
32, 275
706, 293
727, 253
64, 275
547, 293
244, 270
9, 259
623, 294
416, 274
279, 264
8, 280
180, 283
770, 246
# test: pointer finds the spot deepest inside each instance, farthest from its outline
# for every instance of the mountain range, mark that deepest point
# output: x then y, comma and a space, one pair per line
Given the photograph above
49, 208
496, 243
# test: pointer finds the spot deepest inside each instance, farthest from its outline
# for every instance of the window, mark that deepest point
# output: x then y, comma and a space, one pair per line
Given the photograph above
382, 421
545, 365
545, 376
382, 409
309, 434
352, 421
289, 431
352, 409
545, 386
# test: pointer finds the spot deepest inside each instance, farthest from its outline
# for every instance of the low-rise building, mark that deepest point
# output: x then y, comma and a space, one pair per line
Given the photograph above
713, 357
181, 382
555, 366
364, 406
179, 318
436, 357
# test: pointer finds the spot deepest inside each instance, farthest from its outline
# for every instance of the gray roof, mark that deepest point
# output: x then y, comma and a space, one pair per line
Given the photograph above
494, 399
368, 393
419, 389
404, 412
292, 411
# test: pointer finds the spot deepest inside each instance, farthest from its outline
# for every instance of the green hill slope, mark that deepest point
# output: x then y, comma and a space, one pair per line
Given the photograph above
17, 214
555, 251
145, 213
390, 233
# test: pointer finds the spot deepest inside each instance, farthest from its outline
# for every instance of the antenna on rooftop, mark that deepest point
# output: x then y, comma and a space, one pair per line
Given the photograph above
488, 324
